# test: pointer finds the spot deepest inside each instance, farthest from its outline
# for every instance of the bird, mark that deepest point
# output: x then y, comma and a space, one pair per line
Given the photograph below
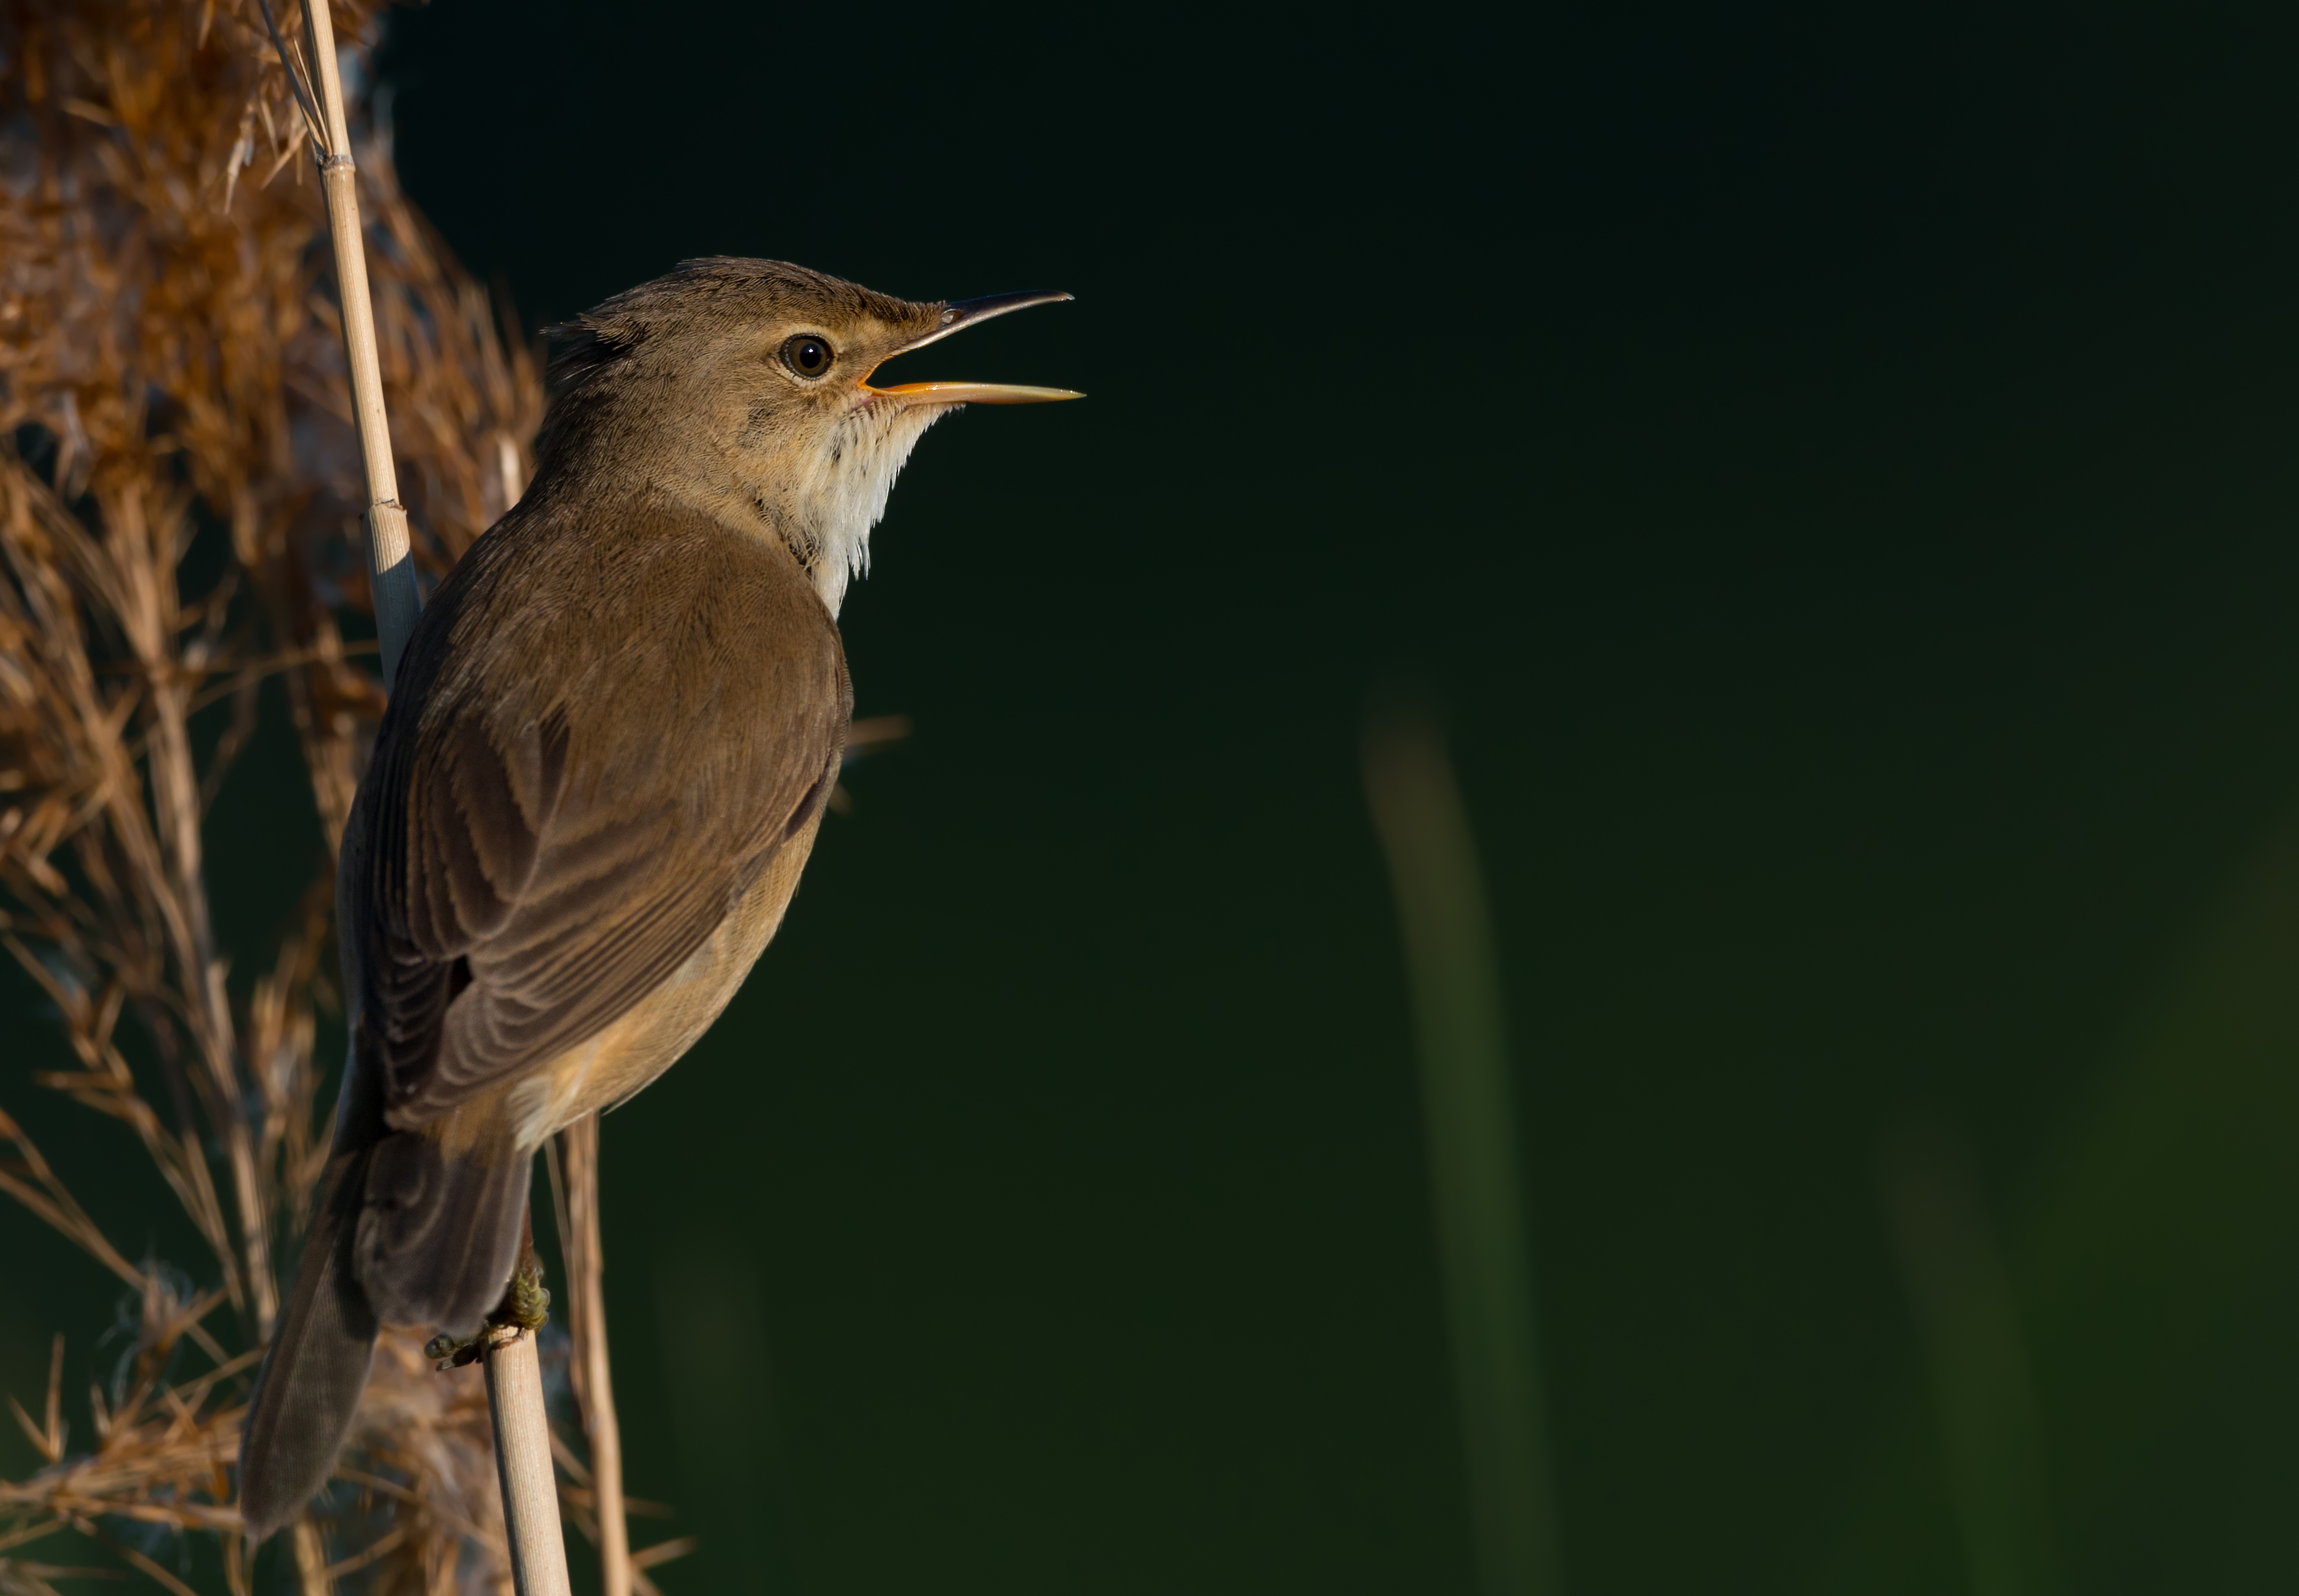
598, 777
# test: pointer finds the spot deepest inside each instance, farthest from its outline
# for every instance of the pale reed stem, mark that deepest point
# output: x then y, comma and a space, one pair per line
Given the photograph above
310, 1560
392, 563
587, 1322
530, 1491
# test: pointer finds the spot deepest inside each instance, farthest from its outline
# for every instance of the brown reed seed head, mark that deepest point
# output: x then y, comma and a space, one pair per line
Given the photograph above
171, 374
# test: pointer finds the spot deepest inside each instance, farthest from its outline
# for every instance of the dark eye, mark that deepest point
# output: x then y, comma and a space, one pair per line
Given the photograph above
806, 355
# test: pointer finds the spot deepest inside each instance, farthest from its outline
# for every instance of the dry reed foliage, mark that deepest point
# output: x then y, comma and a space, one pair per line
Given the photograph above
173, 402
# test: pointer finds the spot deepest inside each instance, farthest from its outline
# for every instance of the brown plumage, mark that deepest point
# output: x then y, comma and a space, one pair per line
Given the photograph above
605, 758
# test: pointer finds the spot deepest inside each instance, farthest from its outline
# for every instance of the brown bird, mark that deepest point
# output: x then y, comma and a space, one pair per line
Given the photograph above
606, 754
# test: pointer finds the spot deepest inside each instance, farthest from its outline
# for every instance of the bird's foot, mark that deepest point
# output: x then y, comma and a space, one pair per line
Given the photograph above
527, 1305
525, 1308
452, 1351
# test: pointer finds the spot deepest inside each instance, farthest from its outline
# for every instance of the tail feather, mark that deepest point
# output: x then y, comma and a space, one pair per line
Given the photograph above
318, 1365
405, 1233
439, 1234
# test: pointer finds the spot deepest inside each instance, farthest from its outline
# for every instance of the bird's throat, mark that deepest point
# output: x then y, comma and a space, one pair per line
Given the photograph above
829, 497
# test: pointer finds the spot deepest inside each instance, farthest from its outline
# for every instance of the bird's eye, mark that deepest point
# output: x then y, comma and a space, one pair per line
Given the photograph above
807, 354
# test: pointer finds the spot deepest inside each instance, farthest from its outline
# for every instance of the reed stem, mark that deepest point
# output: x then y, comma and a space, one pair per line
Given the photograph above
530, 1489
593, 1379
1472, 1129
390, 557
310, 1560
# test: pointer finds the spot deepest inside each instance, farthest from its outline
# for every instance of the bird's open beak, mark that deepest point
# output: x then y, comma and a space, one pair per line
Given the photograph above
957, 318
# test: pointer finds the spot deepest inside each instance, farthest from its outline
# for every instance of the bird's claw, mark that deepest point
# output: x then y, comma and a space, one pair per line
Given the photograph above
451, 1352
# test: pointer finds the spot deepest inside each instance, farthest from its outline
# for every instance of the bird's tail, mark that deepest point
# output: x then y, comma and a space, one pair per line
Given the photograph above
404, 1232
439, 1230
318, 1365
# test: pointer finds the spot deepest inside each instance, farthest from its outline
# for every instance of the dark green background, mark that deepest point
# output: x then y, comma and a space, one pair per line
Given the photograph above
1838, 469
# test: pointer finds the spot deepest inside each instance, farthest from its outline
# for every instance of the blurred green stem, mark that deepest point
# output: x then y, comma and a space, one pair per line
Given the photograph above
1471, 1124
1991, 1433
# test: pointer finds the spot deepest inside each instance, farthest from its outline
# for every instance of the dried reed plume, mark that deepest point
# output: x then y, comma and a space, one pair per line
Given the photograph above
171, 380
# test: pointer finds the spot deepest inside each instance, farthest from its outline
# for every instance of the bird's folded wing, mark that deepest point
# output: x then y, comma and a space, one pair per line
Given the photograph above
539, 869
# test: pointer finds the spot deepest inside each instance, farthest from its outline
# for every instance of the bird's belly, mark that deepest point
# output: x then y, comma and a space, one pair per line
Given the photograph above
652, 1035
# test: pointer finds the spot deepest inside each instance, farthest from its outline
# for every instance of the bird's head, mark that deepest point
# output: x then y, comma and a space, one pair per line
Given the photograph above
743, 387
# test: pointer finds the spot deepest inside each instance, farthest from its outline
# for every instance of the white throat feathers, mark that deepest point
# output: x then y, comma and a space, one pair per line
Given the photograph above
826, 508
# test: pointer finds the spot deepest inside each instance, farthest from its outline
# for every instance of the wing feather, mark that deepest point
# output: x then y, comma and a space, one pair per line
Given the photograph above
595, 761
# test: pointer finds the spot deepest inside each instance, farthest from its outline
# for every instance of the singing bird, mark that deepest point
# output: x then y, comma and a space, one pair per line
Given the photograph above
606, 754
